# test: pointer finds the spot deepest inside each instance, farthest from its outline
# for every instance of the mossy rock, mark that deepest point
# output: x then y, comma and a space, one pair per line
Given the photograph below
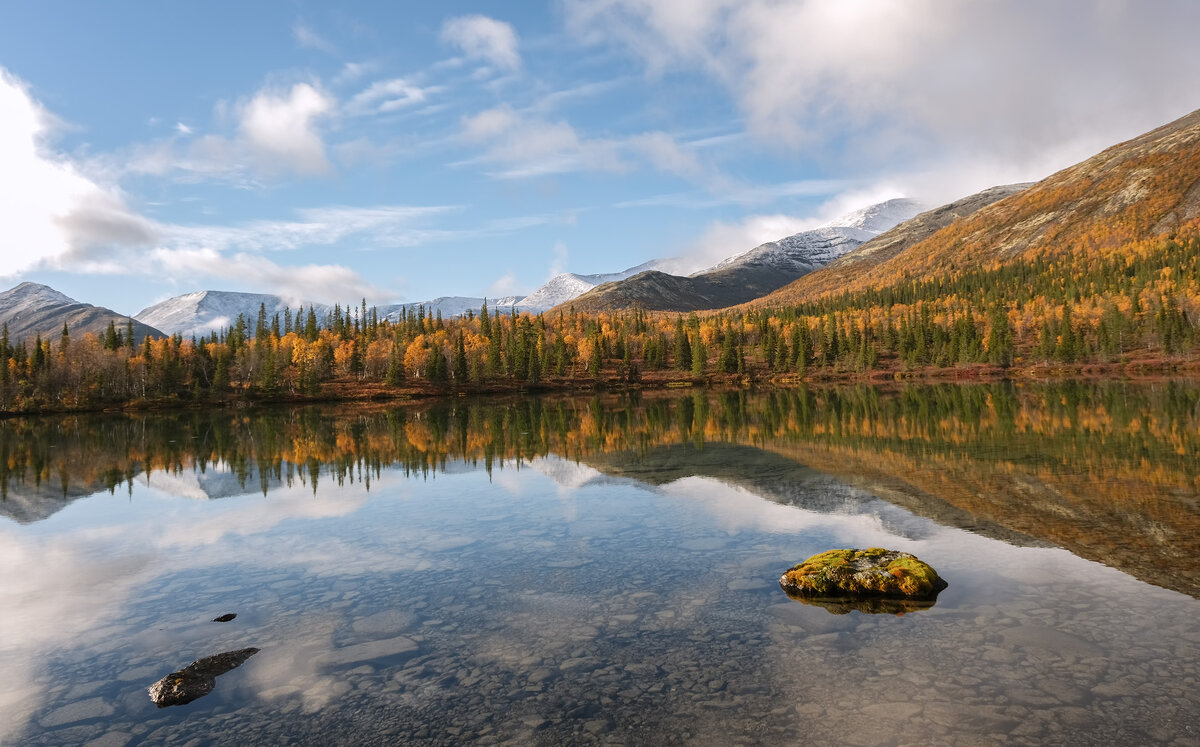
863, 574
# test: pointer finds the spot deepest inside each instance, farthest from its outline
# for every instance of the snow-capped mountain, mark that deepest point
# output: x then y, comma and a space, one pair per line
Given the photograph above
32, 309
31, 297
797, 254
203, 312
452, 306
562, 288
806, 251
800, 253
880, 217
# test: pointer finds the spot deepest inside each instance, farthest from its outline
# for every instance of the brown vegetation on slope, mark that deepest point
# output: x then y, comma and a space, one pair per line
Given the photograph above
1131, 192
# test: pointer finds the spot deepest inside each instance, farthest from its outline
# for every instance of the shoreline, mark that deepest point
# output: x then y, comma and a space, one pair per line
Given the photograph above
349, 391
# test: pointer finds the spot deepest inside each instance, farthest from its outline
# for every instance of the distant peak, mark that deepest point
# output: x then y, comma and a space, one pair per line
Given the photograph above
43, 293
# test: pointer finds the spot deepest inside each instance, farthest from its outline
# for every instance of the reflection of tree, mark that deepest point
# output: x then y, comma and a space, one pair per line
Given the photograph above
1105, 469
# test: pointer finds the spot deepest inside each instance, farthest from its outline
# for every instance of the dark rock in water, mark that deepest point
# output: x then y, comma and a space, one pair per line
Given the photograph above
841, 580
196, 679
225, 618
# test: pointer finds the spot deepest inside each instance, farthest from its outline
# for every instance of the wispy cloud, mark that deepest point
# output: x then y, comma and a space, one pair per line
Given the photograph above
748, 195
385, 96
483, 38
879, 85
277, 132
521, 146
306, 37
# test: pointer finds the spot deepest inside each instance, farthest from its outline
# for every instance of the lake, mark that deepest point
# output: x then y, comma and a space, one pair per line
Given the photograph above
605, 569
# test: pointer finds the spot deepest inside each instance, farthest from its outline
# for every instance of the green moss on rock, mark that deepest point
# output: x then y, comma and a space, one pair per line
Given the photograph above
875, 572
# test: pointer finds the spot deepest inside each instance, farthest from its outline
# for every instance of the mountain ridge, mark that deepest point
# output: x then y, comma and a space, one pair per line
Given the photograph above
750, 274
32, 309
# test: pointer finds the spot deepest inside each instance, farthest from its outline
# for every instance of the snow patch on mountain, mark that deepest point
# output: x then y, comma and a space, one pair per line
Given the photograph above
569, 286
802, 252
31, 297
799, 253
883, 216
203, 312
809, 250
452, 306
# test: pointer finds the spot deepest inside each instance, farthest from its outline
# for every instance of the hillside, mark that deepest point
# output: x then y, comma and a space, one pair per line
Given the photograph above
32, 309
889, 244
569, 285
751, 274
1135, 191
203, 312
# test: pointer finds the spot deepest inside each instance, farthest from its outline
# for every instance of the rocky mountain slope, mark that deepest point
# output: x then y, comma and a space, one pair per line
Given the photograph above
30, 309
892, 242
1132, 192
749, 275
569, 285
203, 312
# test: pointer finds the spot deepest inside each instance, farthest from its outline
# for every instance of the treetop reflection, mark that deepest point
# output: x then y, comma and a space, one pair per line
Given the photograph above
1107, 470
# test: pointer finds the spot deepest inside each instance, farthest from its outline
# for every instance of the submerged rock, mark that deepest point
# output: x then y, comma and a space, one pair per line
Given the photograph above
838, 576
225, 618
196, 679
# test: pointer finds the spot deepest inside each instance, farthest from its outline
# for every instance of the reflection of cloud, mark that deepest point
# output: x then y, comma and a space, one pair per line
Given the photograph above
74, 587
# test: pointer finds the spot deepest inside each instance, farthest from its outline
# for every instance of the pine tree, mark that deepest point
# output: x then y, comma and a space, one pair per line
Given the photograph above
460, 359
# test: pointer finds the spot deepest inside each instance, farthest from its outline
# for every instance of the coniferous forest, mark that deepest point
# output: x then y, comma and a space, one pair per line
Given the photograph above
1137, 308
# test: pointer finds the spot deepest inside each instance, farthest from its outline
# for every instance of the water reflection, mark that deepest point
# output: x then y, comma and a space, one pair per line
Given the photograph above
573, 571
866, 605
1107, 470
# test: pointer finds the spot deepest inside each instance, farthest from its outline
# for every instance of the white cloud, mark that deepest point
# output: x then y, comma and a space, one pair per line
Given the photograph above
385, 96
375, 227
51, 213
722, 239
741, 194
480, 37
320, 283
306, 37
526, 146
353, 71
277, 134
505, 285
280, 128
881, 85
559, 264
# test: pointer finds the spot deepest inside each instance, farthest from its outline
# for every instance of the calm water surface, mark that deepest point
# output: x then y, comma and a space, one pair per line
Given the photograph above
605, 570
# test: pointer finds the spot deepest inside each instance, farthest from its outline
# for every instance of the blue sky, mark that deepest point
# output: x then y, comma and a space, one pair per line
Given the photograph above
403, 151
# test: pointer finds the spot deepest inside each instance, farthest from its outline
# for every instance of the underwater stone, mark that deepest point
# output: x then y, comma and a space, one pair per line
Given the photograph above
856, 574
196, 679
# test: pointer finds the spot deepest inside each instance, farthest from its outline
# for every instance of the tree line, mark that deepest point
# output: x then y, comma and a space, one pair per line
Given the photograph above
1142, 304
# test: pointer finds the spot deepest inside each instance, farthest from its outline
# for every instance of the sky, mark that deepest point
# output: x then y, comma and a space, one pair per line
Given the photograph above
400, 151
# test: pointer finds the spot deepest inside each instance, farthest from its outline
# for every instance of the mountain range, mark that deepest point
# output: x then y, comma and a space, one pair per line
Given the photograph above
1137, 190
744, 275
750, 274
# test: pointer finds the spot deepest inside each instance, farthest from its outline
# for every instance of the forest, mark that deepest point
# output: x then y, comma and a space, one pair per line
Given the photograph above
1051, 313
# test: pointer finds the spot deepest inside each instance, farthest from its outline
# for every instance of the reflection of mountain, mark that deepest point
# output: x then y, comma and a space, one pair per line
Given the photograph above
1107, 471
792, 483
1148, 533
215, 482
26, 504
